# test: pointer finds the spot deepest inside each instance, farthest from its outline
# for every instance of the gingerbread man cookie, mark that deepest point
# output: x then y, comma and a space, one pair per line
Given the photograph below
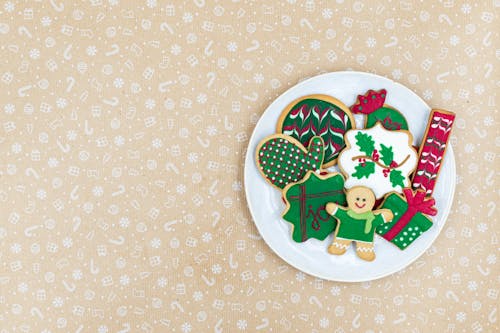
357, 223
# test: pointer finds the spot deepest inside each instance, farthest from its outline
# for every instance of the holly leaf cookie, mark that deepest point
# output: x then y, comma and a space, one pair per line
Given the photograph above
305, 205
379, 159
282, 159
318, 115
372, 105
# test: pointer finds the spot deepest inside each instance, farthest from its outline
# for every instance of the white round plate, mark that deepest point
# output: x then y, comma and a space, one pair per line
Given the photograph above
311, 256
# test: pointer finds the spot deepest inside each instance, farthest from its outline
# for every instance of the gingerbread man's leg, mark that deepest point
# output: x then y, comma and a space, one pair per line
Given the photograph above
339, 246
365, 251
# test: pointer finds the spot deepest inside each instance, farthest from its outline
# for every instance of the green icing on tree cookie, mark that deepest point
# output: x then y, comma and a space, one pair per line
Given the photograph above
390, 118
306, 202
283, 160
311, 117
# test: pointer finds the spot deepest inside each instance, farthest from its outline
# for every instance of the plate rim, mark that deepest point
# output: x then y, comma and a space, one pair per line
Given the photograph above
248, 162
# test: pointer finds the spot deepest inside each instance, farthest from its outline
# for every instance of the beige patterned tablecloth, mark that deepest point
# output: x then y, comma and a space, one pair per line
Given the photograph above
124, 126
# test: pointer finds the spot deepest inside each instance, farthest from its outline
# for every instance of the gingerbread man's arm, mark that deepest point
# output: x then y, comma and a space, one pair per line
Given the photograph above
332, 207
386, 213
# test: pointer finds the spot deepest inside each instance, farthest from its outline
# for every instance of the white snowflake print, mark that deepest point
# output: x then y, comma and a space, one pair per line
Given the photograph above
263, 274
397, 74
103, 329
454, 40
461, 316
315, 45
34, 54
379, 318
371, 42
242, 324
201, 98
41, 194
22, 287
118, 82
198, 296
186, 328
187, 17
427, 94
216, 269
258, 78
157, 143
77, 274
9, 108
466, 8
335, 290
472, 285
324, 322
9, 7
232, 46
162, 282
491, 259
150, 103
124, 280
175, 49
91, 50
124, 222
155, 243
206, 237
327, 13
192, 157
58, 302
16, 248
67, 242
46, 21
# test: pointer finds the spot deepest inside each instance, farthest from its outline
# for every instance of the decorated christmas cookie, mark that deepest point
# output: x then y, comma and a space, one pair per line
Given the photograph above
317, 115
357, 223
379, 159
432, 150
305, 205
410, 217
372, 105
282, 159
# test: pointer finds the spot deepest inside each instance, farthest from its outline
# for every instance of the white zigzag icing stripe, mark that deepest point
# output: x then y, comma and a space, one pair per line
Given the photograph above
427, 174
365, 249
340, 246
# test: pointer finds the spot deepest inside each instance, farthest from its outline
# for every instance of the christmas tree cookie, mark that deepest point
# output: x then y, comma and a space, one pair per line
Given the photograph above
372, 105
357, 223
317, 115
282, 159
305, 205
379, 159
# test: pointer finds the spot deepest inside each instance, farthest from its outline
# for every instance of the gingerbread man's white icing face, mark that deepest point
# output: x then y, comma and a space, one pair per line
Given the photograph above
360, 199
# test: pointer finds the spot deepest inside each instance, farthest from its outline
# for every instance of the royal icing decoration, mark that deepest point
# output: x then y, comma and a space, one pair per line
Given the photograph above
410, 217
318, 115
379, 159
305, 205
372, 105
357, 223
432, 150
369, 102
283, 160
389, 117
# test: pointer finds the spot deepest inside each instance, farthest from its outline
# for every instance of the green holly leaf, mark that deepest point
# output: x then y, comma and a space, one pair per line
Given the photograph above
386, 154
365, 143
396, 178
364, 171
